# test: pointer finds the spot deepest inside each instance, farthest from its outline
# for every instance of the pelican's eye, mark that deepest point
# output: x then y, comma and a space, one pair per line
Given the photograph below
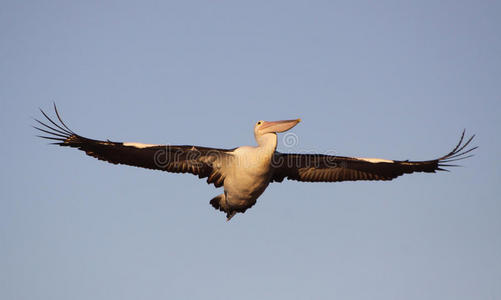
259, 123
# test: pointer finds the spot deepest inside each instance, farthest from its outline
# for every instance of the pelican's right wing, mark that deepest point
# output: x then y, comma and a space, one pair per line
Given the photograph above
201, 161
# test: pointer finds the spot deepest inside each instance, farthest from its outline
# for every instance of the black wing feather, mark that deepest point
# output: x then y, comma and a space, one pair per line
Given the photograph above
201, 161
328, 168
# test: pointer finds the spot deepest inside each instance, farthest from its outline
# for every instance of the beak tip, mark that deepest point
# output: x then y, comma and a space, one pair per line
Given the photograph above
299, 120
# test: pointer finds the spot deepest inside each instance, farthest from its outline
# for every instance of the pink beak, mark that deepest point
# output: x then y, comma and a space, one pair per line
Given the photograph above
279, 126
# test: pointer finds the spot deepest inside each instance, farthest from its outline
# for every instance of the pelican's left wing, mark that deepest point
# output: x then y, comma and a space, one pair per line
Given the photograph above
201, 161
328, 168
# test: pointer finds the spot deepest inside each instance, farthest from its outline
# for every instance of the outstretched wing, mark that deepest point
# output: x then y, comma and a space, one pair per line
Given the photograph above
328, 168
201, 161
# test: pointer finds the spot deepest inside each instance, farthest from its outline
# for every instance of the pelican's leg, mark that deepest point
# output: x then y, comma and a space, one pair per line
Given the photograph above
230, 215
226, 199
229, 212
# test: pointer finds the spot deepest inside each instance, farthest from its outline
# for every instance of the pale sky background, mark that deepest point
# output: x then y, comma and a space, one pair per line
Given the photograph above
390, 79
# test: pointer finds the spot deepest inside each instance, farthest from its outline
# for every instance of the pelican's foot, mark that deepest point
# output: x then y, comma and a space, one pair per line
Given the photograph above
230, 215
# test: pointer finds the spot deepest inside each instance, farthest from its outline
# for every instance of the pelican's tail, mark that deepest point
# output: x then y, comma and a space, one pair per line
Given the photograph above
219, 202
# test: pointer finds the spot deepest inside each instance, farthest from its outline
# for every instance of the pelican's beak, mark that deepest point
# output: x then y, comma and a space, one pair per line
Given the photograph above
279, 126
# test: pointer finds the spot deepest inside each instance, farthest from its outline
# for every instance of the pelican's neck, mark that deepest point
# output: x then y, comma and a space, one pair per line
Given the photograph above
267, 142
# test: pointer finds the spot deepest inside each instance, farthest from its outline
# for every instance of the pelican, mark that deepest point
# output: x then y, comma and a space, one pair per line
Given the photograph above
245, 172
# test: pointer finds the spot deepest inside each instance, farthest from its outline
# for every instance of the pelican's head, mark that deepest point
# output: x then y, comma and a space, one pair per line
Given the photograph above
263, 127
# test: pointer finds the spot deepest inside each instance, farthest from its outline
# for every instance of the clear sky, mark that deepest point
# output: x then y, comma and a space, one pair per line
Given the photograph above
389, 79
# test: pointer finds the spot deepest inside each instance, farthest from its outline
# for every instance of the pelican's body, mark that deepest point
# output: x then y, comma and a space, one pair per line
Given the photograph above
248, 171
245, 172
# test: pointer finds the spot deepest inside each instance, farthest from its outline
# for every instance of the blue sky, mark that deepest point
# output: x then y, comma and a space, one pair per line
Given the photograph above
390, 79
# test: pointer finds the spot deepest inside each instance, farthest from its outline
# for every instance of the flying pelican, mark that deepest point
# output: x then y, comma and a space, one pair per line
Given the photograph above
245, 172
